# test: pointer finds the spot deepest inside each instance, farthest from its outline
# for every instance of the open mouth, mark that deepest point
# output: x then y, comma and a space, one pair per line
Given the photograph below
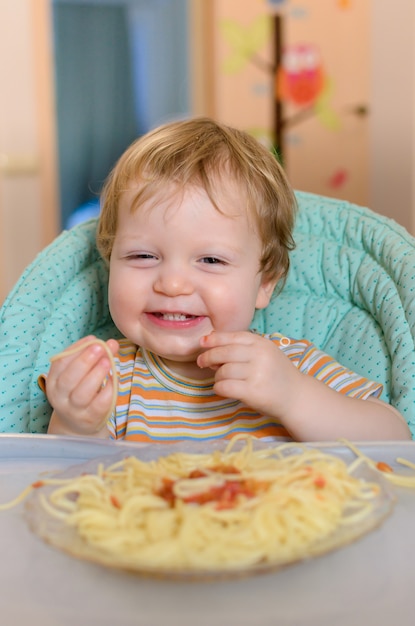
174, 317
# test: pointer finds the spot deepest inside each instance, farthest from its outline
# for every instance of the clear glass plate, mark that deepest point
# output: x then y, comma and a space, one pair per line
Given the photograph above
64, 537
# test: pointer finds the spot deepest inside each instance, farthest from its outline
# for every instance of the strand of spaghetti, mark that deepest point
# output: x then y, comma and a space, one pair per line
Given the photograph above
399, 480
17, 500
113, 369
27, 490
405, 462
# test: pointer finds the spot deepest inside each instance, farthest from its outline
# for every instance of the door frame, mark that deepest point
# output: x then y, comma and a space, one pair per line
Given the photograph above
29, 206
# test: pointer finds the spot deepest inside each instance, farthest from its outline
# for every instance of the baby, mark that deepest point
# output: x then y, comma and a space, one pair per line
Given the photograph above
196, 227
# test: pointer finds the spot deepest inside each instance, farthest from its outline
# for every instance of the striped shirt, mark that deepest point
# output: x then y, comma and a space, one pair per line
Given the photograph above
155, 404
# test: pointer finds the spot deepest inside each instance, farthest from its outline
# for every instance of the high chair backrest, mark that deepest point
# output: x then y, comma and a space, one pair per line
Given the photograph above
350, 290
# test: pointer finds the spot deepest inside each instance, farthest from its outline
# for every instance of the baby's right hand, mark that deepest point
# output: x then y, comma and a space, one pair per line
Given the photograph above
75, 388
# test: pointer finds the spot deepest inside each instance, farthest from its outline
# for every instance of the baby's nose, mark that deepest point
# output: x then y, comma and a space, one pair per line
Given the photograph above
173, 282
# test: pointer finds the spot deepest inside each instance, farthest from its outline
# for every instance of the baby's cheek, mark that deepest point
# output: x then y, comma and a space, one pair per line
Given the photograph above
237, 318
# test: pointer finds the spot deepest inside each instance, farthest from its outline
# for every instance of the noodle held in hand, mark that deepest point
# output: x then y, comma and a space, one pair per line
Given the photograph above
113, 370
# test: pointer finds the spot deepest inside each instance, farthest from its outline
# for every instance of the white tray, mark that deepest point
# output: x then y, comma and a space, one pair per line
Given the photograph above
370, 582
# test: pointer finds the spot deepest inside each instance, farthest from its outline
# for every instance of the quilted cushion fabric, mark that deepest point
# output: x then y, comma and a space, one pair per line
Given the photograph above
350, 290
60, 297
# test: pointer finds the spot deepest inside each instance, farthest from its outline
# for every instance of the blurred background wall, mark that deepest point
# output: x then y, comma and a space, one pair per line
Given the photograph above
330, 84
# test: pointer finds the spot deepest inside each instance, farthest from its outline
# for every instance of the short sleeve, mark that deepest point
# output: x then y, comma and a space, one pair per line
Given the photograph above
314, 362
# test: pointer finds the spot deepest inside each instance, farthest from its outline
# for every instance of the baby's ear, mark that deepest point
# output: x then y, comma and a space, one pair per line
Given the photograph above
265, 292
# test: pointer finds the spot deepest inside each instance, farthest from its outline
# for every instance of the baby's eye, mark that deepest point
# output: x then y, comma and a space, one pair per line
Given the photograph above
212, 260
140, 256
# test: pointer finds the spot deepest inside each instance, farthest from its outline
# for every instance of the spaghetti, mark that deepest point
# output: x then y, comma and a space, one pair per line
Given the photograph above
228, 510
398, 479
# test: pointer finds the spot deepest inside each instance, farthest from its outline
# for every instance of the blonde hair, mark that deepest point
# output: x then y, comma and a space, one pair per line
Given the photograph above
202, 153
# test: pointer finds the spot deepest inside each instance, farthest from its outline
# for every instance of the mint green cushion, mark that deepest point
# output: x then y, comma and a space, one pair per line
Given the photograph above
350, 290
59, 298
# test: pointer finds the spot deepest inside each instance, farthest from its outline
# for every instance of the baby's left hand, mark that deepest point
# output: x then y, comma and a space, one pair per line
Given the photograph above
252, 369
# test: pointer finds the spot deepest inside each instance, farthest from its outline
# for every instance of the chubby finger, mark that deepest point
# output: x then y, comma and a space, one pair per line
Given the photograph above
227, 353
91, 385
69, 371
113, 345
102, 405
96, 347
216, 338
232, 371
74, 348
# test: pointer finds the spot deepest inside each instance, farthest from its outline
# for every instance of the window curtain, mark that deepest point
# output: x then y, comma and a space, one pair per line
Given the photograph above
95, 97
159, 39
121, 69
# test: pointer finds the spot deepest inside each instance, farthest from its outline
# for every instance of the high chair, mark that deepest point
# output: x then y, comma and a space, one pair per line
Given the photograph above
350, 290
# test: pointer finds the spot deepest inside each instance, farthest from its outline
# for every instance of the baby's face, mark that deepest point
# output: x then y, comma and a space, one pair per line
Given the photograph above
179, 269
